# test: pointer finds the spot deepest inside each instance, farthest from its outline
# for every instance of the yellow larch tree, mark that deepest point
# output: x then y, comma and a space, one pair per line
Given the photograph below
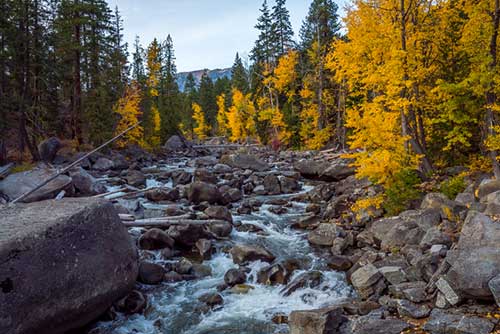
202, 128
241, 117
222, 126
129, 112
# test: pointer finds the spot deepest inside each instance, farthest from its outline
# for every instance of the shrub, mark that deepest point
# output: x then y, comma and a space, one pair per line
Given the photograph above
453, 186
401, 192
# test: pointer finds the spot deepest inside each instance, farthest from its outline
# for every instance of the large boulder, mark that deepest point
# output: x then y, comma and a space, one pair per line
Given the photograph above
176, 143
325, 234
476, 259
246, 253
103, 164
85, 184
17, 184
198, 192
321, 321
64, 263
245, 161
441, 322
49, 148
324, 170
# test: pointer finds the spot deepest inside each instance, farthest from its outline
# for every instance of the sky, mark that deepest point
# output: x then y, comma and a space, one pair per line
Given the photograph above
206, 33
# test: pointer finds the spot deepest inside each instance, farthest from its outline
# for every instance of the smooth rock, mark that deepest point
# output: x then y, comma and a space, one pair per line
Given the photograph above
441, 322
325, 234
320, 321
150, 273
155, 239
245, 161
48, 149
198, 192
247, 253
235, 276
365, 276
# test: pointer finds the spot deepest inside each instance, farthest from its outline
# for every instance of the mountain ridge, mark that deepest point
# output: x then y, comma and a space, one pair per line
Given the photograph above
212, 74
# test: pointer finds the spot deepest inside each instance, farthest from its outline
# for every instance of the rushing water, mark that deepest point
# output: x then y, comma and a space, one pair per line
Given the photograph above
174, 308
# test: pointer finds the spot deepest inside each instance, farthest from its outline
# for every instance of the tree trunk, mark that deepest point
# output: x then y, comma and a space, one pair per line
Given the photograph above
490, 95
77, 83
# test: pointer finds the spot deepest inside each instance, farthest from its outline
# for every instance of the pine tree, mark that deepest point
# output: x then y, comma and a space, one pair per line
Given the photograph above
138, 71
190, 96
282, 32
263, 49
321, 25
207, 100
239, 77
152, 126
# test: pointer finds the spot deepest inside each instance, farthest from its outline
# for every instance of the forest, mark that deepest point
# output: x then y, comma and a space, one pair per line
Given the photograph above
404, 86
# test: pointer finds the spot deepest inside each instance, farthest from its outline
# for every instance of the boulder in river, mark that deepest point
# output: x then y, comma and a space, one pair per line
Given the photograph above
246, 253
321, 321
73, 259
324, 170
219, 212
245, 161
17, 184
176, 143
155, 239
198, 192
85, 184
441, 322
103, 164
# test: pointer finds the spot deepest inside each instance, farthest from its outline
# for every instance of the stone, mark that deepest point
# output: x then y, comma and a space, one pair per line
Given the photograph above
241, 289
324, 170
73, 257
186, 235
476, 259
204, 175
441, 301
162, 194
103, 164
339, 262
247, 253
365, 276
201, 270
220, 229
232, 195
494, 285
325, 234
452, 296
449, 209
180, 177
435, 236
85, 184
48, 149
134, 302
441, 322
204, 247
135, 178
173, 277
408, 309
272, 185
310, 279
211, 299
487, 187
288, 185
492, 202
155, 239
280, 318
15, 185
245, 161
235, 276
322, 193
176, 143
184, 266
119, 162
466, 199
393, 275
273, 275
150, 273
374, 324
219, 212
320, 321
198, 192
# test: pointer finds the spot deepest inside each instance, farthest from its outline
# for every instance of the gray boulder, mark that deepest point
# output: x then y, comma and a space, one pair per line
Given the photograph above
325, 234
73, 259
246, 253
321, 321
103, 164
85, 184
324, 170
175, 143
245, 161
198, 192
48, 149
17, 184
374, 323
487, 187
441, 322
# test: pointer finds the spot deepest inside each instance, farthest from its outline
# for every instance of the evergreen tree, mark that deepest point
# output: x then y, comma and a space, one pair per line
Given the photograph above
239, 75
321, 25
263, 49
282, 32
190, 96
138, 71
207, 99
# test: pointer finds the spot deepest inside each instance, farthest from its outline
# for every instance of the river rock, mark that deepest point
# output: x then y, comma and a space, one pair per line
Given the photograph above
373, 323
162, 194
365, 276
339, 262
245, 161
181, 177
324, 170
247, 253
476, 259
17, 184
211, 299
204, 247
272, 185
204, 175
492, 202
487, 187
274, 274
408, 309
320, 321
325, 234
150, 273
198, 192
103, 164
134, 302
235, 276
441, 322
48, 149
289, 185
220, 229
219, 212
186, 235
449, 209
135, 178
175, 143
80, 244
310, 279
155, 239
85, 184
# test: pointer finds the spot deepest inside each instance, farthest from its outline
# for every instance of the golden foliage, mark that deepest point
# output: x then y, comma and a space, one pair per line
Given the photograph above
202, 129
128, 109
222, 122
241, 116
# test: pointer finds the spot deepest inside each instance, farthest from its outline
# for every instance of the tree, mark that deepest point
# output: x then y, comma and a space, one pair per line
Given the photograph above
202, 129
128, 108
152, 126
263, 49
190, 96
282, 32
206, 100
321, 24
241, 116
222, 126
239, 77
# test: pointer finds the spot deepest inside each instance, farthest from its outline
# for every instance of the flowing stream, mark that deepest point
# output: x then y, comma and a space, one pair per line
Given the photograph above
173, 308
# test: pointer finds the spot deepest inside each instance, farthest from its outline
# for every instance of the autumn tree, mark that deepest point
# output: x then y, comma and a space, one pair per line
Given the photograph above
152, 126
128, 109
241, 117
202, 129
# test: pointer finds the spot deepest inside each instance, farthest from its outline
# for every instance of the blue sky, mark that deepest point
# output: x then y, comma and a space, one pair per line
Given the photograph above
206, 33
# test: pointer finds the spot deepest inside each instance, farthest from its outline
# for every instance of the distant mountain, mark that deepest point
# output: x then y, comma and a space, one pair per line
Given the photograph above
213, 74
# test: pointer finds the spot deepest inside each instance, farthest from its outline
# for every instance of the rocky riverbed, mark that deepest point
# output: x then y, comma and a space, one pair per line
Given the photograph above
254, 241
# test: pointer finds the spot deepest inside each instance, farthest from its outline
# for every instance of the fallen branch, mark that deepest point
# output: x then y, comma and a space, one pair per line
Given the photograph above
170, 222
128, 217
64, 170
225, 146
